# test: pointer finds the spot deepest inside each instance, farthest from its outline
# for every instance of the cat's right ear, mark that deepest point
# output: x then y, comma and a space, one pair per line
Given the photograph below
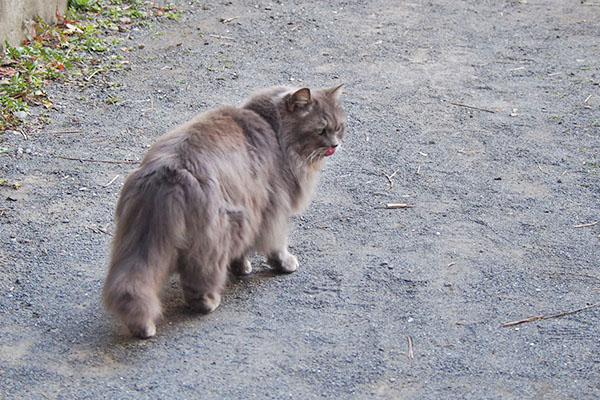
334, 92
301, 98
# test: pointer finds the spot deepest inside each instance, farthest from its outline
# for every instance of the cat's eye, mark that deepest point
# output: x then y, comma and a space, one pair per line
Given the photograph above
320, 132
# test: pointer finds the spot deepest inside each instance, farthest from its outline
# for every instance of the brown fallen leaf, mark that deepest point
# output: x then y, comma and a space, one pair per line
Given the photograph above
392, 206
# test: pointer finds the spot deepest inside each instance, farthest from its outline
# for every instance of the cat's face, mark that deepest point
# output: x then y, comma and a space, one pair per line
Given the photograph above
317, 122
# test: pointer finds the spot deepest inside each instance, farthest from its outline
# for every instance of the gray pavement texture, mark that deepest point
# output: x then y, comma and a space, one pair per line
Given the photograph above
387, 304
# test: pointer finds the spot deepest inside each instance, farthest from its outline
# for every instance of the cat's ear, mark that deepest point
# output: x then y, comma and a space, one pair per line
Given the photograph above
299, 99
334, 92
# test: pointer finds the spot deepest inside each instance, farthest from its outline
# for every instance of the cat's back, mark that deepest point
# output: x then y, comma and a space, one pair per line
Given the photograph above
222, 135
229, 129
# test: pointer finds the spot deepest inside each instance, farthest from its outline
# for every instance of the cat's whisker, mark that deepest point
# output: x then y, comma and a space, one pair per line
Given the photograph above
311, 157
315, 155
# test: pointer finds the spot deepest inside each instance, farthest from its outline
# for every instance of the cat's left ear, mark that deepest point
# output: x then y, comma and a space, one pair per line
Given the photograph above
299, 99
334, 92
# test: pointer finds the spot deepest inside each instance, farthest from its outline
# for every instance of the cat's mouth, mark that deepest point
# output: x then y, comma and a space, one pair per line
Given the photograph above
330, 151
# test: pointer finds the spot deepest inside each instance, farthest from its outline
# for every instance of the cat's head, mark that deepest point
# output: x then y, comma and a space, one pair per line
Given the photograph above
313, 122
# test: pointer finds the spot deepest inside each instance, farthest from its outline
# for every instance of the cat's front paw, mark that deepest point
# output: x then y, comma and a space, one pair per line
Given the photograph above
283, 262
241, 266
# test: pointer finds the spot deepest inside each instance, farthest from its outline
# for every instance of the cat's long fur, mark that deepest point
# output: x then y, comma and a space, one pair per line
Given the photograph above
213, 190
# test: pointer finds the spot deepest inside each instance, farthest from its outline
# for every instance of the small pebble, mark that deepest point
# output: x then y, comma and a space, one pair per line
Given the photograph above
20, 114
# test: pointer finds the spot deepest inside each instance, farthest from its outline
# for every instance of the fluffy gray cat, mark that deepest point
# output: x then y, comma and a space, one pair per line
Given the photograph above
213, 190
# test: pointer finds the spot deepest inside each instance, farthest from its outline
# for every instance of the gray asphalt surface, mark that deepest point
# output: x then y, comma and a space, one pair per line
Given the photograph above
390, 304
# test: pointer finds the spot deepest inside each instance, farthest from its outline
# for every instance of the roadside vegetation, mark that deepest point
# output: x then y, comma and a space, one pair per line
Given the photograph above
83, 44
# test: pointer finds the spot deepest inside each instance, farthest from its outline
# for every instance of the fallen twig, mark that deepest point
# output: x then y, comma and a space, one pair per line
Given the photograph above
111, 181
537, 317
573, 274
522, 321
92, 75
474, 108
389, 178
410, 348
221, 37
55, 132
392, 206
227, 20
467, 152
99, 230
22, 133
586, 225
14, 185
100, 161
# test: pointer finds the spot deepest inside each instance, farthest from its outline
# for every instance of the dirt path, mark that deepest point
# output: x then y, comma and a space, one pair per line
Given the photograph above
403, 303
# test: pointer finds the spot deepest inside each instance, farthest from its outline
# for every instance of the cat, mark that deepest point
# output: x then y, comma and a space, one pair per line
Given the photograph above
214, 190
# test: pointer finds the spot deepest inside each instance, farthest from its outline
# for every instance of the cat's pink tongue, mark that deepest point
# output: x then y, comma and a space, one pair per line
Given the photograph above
330, 151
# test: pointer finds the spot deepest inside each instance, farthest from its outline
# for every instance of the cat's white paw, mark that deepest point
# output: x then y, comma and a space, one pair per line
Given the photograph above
284, 262
144, 332
241, 267
290, 264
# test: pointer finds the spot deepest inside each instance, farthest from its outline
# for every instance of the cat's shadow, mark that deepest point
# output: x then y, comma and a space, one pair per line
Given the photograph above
100, 343
176, 312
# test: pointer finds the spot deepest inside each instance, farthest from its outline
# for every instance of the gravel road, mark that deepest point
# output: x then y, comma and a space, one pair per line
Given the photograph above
483, 115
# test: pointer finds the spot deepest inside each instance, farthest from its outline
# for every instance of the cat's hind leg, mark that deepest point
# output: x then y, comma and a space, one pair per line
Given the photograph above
151, 227
133, 295
202, 283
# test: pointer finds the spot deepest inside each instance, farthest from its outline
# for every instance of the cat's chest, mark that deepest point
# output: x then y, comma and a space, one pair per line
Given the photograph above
305, 190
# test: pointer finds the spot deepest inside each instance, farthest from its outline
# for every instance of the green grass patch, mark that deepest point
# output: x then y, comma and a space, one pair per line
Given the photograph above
78, 47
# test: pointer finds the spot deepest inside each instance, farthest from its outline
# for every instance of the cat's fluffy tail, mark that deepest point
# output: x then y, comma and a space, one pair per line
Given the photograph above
150, 230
